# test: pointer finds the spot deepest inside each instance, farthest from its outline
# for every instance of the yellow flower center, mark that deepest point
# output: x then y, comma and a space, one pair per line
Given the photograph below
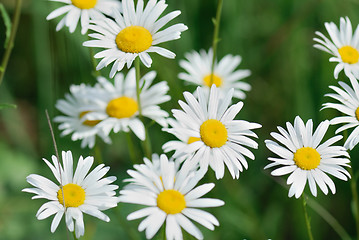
213, 133
134, 39
307, 158
89, 123
84, 4
171, 201
357, 113
216, 80
349, 54
192, 140
122, 107
74, 195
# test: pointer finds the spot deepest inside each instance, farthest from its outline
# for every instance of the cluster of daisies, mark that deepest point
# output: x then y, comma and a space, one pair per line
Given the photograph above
207, 131
208, 135
300, 151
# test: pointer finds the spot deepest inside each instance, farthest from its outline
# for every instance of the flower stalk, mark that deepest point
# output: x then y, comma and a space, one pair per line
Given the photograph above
10, 45
95, 72
146, 144
216, 23
307, 220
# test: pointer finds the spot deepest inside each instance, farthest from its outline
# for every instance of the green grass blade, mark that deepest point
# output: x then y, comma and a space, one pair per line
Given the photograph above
7, 23
7, 105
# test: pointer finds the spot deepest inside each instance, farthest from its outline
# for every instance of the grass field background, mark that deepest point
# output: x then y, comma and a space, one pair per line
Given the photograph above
289, 78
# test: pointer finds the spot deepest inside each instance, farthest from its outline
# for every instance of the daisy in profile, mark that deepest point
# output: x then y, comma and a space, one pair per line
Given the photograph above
344, 46
117, 108
83, 11
172, 199
135, 33
75, 106
348, 98
301, 154
212, 136
198, 71
75, 194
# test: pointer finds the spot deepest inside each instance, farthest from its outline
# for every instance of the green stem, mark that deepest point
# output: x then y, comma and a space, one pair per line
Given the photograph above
131, 233
321, 211
75, 238
163, 232
131, 148
307, 220
328, 218
354, 189
95, 72
146, 144
138, 90
97, 154
216, 23
10, 45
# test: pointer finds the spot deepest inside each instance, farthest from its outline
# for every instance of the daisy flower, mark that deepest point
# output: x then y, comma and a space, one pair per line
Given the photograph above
348, 105
212, 135
301, 154
171, 199
75, 194
134, 33
198, 67
117, 107
154, 165
83, 11
344, 46
75, 106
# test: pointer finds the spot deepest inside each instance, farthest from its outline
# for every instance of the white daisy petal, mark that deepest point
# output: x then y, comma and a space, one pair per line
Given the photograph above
198, 71
305, 159
343, 46
83, 11
348, 97
146, 24
209, 135
73, 198
175, 202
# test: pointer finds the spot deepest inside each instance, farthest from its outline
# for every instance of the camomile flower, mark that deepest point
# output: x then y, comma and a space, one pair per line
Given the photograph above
136, 32
344, 46
75, 194
154, 165
83, 11
117, 107
172, 199
75, 106
348, 98
199, 66
301, 154
212, 135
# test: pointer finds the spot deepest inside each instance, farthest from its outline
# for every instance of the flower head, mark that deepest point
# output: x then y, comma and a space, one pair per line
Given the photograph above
348, 98
117, 107
135, 33
198, 67
76, 107
171, 197
77, 193
83, 10
301, 154
344, 46
209, 135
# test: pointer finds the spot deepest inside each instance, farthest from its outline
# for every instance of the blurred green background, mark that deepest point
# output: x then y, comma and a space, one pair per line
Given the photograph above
289, 78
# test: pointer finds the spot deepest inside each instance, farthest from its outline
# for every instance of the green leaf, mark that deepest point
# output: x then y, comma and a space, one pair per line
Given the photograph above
7, 105
7, 23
